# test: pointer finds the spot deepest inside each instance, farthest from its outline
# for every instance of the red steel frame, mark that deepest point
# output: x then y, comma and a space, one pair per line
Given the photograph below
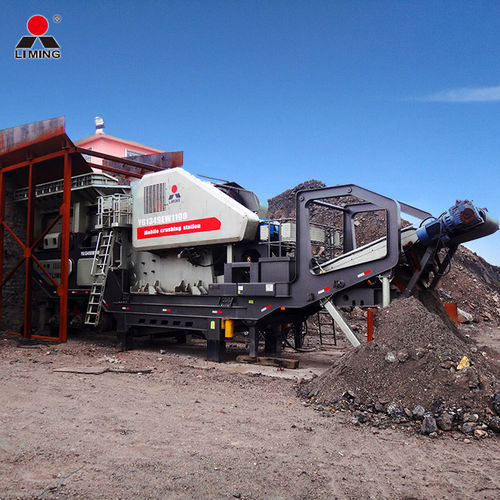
67, 151
28, 258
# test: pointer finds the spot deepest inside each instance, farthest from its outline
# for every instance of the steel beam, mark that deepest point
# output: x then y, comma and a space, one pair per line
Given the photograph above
12, 271
125, 161
14, 235
413, 211
115, 170
27, 163
46, 230
42, 268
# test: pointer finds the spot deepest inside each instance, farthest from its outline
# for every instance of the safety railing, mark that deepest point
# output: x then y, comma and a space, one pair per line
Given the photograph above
114, 210
78, 182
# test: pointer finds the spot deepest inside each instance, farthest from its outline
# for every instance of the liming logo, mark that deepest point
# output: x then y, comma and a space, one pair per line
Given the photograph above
37, 26
175, 197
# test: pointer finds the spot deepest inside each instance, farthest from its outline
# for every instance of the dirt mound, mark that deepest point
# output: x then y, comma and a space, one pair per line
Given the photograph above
412, 362
283, 205
474, 284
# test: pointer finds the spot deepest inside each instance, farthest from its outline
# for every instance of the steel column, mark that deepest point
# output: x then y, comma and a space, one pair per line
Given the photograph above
2, 216
386, 290
28, 273
369, 324
65, 212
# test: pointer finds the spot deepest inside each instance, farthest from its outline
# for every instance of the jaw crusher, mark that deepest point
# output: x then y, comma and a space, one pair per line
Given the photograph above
178, 254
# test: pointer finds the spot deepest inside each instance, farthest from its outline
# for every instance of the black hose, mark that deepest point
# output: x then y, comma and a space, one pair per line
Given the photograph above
299, 349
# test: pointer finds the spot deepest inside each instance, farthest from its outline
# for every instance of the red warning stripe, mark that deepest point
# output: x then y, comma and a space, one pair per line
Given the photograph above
185, 227
360, 275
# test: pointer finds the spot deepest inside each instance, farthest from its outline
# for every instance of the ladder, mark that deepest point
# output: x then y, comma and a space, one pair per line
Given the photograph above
99, 272
330, 323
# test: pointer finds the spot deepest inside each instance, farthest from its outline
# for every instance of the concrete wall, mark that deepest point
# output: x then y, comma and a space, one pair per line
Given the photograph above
113, 147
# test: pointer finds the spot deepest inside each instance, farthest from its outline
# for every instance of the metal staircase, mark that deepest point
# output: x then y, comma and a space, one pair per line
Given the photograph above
100, 267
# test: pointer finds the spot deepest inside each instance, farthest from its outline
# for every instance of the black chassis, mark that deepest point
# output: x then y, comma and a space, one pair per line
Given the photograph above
270, 298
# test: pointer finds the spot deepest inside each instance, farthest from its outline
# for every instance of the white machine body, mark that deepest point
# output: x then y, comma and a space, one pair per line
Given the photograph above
174, 209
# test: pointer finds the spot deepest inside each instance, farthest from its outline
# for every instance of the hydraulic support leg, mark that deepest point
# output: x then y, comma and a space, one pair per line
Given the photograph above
125, 339
123, 333
216, 346
273, 340
253, 335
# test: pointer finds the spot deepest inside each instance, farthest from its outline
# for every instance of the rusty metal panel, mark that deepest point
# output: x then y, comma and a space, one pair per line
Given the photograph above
161, 161
15, 137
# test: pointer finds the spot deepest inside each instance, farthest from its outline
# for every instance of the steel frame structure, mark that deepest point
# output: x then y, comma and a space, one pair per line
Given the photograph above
18, 151
30, 243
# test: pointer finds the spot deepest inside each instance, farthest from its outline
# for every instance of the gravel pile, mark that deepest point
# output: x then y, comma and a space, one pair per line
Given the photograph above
283, 205
475, 285
419, 371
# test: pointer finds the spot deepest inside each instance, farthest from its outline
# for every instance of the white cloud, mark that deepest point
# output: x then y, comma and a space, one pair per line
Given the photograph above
471, 94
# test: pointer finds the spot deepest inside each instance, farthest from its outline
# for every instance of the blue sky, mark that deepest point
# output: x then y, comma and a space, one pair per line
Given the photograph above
402, 97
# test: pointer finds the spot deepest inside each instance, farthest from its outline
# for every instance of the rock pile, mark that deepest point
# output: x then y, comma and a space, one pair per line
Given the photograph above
419, 371
283, 205
474, 284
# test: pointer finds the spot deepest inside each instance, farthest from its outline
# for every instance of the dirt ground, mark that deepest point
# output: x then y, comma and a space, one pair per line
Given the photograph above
194, 429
